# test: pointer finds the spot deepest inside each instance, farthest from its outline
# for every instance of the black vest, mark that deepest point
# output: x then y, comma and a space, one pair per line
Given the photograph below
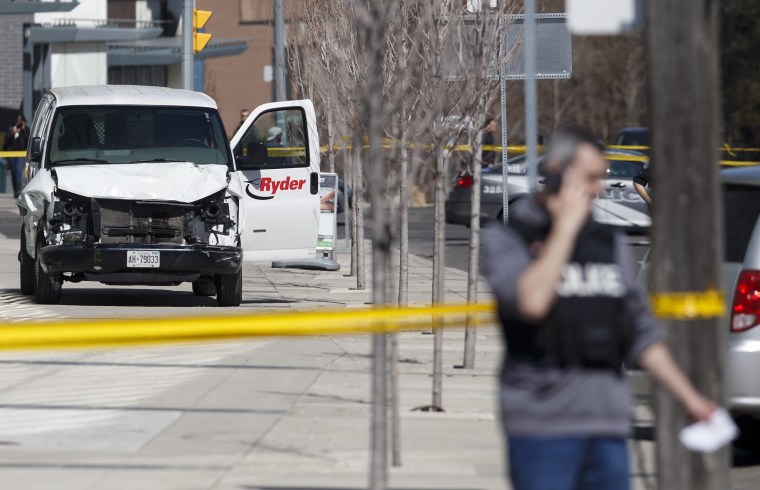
587, 325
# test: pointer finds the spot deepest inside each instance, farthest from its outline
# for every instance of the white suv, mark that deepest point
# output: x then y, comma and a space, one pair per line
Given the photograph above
138, 185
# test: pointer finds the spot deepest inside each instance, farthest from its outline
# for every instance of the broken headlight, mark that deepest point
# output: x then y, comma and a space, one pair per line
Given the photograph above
69, 217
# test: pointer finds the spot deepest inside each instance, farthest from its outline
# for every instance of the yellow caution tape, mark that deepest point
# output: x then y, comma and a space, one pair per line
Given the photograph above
77, 334
12, 154
735, 163
286, 152
627, 147
688, 305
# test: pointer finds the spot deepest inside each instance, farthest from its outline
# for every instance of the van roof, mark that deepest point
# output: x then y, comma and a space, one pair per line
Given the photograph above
129, 95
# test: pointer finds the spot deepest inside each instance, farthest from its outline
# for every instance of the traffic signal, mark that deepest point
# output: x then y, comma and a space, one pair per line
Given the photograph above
200, 39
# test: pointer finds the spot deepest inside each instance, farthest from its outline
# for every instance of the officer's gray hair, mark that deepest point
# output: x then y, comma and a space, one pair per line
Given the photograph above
564, 143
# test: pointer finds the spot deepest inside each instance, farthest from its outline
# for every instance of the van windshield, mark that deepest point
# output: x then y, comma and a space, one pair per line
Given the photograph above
131, 134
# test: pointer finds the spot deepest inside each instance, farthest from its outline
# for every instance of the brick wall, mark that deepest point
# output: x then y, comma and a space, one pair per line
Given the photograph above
11, 60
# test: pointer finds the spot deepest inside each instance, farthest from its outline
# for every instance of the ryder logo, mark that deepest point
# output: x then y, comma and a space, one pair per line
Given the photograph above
268, 184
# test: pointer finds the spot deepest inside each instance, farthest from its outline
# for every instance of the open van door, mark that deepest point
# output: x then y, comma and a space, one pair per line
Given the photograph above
277, 174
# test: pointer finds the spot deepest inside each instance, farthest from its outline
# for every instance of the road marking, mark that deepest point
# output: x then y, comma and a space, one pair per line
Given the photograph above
16, 308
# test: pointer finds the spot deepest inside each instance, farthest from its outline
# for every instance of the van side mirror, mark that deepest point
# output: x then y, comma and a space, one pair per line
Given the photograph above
36, 149
256, 156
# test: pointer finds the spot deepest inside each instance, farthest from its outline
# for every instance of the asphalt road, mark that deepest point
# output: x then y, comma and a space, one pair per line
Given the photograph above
458, 239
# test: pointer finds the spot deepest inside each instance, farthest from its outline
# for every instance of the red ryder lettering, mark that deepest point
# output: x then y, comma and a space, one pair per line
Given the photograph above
268, 184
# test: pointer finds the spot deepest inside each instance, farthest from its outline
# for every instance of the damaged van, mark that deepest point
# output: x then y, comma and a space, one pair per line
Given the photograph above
130, 185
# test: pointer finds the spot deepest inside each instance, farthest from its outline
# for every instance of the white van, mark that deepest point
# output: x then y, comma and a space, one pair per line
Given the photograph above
135, 185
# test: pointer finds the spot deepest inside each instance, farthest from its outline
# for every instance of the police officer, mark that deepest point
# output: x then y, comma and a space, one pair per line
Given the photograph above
572, 315
642, 184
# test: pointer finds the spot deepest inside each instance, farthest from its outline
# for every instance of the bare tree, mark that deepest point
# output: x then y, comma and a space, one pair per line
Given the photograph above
481, 37
327, 60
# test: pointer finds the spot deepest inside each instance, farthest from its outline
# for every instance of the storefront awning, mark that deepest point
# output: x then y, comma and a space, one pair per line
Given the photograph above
39, 34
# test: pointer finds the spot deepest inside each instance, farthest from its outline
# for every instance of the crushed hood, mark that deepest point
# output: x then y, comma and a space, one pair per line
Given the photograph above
172, 181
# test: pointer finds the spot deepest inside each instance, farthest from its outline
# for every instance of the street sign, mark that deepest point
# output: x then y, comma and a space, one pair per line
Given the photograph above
554, 54
328, 213
604, 17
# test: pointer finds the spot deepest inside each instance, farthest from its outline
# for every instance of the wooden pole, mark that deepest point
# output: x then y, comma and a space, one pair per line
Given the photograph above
374, 24
687, 248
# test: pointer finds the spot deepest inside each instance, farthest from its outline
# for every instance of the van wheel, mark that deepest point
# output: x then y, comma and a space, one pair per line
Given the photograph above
206, 288
229, 289
26, 267
47, 286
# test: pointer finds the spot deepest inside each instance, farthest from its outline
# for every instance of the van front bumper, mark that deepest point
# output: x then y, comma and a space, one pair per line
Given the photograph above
112, 258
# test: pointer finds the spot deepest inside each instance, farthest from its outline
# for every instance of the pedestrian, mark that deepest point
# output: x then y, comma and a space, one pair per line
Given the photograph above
274, 140
489, 156
244, 113
643, 185
16, 139
572, 315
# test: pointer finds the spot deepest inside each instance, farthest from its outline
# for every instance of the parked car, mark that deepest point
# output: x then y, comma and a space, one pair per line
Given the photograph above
633, 137
620, 205
137, 185
741, 283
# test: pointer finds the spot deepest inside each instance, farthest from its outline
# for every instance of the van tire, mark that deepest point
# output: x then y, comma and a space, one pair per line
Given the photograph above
26, 268
206, 288
47, 286
229, 289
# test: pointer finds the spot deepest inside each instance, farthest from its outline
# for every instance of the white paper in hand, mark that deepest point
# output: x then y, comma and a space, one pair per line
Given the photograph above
708, 437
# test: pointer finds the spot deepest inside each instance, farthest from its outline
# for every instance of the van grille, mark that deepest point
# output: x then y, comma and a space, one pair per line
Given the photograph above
130, 222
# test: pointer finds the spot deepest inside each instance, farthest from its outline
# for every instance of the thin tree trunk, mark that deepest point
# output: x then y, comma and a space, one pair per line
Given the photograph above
351, 165
470, 334
330, 136
361, 263
403, 269
439, 275
393, 387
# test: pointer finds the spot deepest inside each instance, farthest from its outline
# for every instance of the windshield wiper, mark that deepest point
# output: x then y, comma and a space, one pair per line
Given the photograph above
157, 160
80, 160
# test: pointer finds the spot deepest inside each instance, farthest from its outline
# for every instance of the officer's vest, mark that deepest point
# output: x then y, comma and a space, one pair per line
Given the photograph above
587, 325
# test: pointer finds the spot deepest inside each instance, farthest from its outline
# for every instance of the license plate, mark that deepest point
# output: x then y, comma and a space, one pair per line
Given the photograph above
143, 258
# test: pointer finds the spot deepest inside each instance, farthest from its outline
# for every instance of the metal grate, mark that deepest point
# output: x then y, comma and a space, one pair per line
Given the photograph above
139, 132
99, 125
127, 222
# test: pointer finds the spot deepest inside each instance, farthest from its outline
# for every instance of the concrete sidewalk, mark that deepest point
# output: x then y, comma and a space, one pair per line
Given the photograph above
275, 414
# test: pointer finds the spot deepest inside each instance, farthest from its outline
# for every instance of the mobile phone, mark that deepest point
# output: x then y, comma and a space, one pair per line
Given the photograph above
553, 182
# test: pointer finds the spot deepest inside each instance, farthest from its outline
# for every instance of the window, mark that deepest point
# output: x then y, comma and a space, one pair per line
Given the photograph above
256, 11
129, 134
283, 133
741, 208
623, 169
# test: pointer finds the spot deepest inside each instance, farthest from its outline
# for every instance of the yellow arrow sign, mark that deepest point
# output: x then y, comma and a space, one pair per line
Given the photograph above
200, 39
200, 17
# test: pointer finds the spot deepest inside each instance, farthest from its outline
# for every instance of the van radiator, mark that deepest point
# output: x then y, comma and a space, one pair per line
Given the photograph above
141, 222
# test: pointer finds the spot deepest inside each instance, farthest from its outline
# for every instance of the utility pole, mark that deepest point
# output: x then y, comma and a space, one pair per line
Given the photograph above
374, 24
188, 57
279, 52
531, 98
687, 249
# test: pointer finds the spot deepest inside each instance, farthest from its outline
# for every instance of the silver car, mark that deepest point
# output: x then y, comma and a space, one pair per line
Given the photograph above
619, 206
741, 280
